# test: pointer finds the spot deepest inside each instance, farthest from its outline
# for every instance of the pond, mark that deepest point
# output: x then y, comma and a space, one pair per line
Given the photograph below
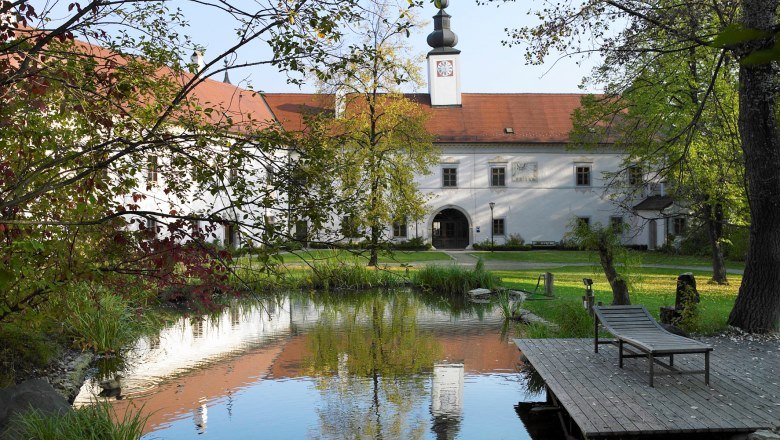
381, 365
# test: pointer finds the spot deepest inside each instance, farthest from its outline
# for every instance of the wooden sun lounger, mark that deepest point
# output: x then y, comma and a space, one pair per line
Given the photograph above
633, 326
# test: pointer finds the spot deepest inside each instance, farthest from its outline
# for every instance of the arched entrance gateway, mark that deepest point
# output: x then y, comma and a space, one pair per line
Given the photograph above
450, 230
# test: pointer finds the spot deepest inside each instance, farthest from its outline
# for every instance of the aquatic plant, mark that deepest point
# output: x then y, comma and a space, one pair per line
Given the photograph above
510, 308
455, 279
98, 421
348, 275
99, 320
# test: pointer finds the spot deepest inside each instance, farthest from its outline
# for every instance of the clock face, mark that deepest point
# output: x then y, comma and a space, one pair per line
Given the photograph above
444, 68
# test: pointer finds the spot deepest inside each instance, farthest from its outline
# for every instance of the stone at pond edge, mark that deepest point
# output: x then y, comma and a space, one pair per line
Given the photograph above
763, 435
479, 292
34, 393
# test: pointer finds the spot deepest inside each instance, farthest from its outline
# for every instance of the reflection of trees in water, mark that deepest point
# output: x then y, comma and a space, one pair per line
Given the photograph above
446, 427
368, 354
534, 383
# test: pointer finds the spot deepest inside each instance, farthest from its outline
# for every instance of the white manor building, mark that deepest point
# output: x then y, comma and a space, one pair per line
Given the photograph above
507, 166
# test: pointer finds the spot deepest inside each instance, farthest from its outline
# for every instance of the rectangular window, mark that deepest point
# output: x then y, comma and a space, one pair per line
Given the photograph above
302, 230
349, 227
584, 221
498, 176
498, 226
232, 238
151, 225
151, 170
449, 177
399, 229
635, 175
582, 173
233, 176
678, 223
616, 223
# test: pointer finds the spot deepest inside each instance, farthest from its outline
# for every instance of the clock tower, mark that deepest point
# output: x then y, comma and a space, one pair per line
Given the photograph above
443, 61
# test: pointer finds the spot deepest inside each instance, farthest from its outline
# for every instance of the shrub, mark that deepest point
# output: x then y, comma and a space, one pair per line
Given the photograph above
487, 245
97, 421
23, 349
413, 244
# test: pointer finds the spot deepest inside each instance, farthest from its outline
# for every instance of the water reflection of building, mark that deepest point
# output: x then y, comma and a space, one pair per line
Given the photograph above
175, 374
201, 417
447, 399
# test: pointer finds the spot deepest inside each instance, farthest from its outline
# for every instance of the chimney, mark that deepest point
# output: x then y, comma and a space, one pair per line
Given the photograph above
197, 60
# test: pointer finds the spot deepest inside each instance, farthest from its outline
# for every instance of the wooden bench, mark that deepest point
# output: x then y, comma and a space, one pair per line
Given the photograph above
633, 326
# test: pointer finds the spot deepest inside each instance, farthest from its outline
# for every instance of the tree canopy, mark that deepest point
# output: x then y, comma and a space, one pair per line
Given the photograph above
115, 163
635, 36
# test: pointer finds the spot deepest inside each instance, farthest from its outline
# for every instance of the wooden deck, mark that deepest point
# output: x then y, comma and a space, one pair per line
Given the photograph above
603, 400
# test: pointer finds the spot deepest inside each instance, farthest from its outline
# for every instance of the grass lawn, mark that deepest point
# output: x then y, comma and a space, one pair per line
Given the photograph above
555, 256
653, 288
324, 255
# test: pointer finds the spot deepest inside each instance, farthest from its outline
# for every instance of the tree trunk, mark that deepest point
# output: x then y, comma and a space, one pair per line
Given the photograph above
714, 216
373, 258
757, 307
618, 284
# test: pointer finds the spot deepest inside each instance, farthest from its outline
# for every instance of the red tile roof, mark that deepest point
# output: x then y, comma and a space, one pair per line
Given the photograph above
291, 109
245, 108
482, 118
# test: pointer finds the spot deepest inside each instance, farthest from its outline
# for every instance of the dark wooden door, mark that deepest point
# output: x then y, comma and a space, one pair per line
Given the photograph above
450, 230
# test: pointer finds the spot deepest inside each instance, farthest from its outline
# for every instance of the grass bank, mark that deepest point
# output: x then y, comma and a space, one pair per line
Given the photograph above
357, 256
653, 288
558, 257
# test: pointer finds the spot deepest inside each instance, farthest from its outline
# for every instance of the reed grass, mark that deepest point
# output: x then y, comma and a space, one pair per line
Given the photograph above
94, 422
455, 279
99, 320
510, 308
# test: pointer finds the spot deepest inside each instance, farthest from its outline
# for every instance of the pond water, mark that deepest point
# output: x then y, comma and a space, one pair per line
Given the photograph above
373, 365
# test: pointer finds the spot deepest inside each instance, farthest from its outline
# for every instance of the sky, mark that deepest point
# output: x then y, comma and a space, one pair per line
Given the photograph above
486, 64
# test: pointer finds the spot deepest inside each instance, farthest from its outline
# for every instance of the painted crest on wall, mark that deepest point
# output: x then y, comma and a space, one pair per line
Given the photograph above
525, 171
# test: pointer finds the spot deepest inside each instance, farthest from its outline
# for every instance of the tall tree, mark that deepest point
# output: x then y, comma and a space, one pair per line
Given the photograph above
589, 26
99, 103
650, 106
381, 133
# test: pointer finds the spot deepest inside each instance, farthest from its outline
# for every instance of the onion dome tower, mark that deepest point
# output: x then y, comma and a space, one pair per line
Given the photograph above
443, 61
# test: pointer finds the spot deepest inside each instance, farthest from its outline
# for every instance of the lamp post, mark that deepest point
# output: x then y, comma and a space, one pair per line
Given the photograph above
492, 243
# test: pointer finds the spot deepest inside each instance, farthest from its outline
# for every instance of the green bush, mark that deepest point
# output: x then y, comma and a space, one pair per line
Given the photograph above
455, 279
97, 421
23, 349
737, 247
487, 245
413, 244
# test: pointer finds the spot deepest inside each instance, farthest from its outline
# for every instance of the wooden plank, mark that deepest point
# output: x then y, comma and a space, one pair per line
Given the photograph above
604, 400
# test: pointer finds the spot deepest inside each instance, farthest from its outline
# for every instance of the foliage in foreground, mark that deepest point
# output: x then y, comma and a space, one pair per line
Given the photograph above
23, 348
97, 421
455, 279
